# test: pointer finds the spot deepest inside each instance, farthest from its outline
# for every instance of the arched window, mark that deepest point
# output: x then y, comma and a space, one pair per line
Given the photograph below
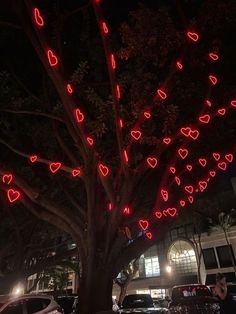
182, 258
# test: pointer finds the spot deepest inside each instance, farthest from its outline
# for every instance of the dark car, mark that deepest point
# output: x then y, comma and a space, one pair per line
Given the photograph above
140, 303
193, 299
66, 302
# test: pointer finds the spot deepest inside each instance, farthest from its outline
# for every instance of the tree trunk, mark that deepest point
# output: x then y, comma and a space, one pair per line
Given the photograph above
96, 296
123, 289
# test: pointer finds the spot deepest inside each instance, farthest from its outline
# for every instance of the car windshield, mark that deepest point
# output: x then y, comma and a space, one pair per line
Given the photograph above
190, 291
137, 301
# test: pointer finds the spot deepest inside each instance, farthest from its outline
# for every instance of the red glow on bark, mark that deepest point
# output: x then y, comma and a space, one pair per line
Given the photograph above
113, 61
161, 94
33, 158
143, 224
136, 134
213, 56
193, 36
52, 58
69, 88
152, 162
213, 79
204, 118
38, 17
7, 178
121, 123
13, 195
183, 152
79, 115
104, 170
54, 166
105, 28
110, 206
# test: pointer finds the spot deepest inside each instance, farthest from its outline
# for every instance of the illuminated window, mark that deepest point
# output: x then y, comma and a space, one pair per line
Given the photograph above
152, 267
182, 258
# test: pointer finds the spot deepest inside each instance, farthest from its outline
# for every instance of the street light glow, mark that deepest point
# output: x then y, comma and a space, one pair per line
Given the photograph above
168, 269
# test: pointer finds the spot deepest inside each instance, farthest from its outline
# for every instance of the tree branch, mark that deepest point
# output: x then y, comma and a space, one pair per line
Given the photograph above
32, 113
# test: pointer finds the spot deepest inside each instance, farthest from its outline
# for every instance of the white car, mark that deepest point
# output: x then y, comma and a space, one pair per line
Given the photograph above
29, 304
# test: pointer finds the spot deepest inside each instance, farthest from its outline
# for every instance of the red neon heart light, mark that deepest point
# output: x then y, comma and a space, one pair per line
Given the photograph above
13, 195
136, 134
177, 180
208, 102
152, 162
118, 91
147, 114
190, 198
229, 157
216, 156
54, 166
213, 79
179, 65
172, 169
161, 94
105, 28
158, 214
33, 158
222, 165
164, 195
221, 111
126, 158
38, 17
202, 185
182, 203
148, 235
143, 224
172, 211
202, 162
52, 58
194, 134
185, 131
90, 141
76, 172
113, 62
126, 210
166, 140
7, 178
189, 167
183, 153
69, 88
193, 36
103, 170
121, 123
212, 173
79, 115
213, 56
165, 212
233, 103
205, 118
189, 189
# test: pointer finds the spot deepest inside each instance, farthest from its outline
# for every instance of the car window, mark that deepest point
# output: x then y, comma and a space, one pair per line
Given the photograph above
35, 305
13, 308
190, 291
137, 301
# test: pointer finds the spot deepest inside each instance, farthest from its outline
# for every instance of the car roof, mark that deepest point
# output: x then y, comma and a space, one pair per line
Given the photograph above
190, 285
9, 297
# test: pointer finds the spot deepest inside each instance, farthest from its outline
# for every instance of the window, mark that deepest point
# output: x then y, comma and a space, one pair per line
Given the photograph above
225, 255
13, 308
152, 267
209, 258
182, 258
158, 293
36, 304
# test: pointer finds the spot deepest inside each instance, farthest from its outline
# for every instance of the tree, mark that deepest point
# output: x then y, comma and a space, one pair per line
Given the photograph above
224, 222
115, 176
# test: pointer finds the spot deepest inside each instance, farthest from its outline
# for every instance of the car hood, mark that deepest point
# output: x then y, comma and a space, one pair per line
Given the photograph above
146, 310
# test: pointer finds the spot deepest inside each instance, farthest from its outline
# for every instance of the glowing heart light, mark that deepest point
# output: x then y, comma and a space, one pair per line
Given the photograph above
205, 118
152, 162
202, 185
136, 134
148, 235
118, 91
104, 170
147, 114
161, 94
189, 189
113, 62
121, 123
183, 153
126, 158
69, 88
52, 58
126, 211
143, 224
208, 103
38, 17
7, 178
158, 214
194, 134
193, 36
177, 180
164, 195
182, 203
222, 165
105, 28
172, 169
166, 140
185, 131
109, 206
202, 162
229, 157
179, 65
189, 167
79, 115
165, 212
212, 173
33, 158
54, 166
172, 211
233, 103
213, 79
190, 199
213, 56
89, 140
216, 156
221, 111
13, 195
76, 172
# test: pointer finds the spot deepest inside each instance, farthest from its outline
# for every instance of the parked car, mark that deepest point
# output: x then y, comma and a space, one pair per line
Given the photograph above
66, 302
193, 299
29, 304
140, 303
115, 306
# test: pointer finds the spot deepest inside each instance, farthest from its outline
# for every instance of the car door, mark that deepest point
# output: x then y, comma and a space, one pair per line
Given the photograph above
35, 305
16, 307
